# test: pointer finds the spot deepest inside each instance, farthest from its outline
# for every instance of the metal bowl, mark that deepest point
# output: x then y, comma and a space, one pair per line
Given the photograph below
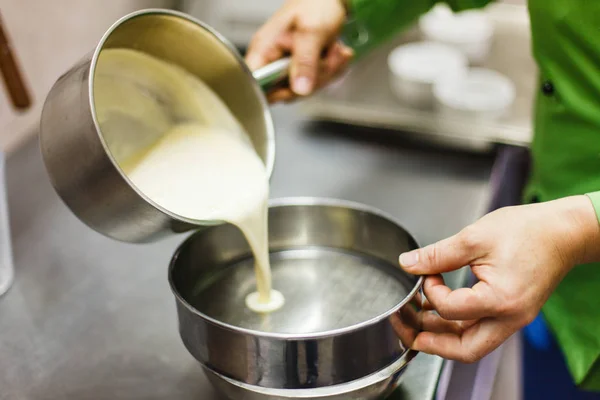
350, 314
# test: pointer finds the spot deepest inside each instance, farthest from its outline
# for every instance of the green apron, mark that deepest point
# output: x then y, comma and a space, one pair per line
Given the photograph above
566, 146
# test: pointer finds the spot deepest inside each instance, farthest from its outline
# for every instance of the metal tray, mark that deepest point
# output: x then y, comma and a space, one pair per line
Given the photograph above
363, 97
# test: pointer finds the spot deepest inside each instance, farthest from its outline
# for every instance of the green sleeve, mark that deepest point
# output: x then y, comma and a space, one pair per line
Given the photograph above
374, 21
595, 197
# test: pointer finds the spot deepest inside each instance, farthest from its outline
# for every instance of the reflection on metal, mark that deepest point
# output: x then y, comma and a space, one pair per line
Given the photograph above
99, 192
346, 333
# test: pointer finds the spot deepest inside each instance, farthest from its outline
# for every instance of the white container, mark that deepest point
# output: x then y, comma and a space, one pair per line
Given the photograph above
6, 258
481, 94
471, 32
416, 67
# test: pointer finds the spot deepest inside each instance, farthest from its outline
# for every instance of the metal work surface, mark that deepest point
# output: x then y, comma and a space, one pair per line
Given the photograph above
91, 318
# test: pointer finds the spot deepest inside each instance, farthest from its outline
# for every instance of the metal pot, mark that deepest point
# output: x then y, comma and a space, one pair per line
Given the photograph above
347, 304
78, 158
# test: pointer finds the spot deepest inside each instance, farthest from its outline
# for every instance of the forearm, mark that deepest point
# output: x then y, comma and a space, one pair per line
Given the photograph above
374, 21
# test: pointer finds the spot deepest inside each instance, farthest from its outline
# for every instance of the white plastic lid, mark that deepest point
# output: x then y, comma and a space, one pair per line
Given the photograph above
478, 90
442, 24
426, 62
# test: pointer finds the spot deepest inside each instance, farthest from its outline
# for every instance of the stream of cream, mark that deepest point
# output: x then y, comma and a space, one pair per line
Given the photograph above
180, 145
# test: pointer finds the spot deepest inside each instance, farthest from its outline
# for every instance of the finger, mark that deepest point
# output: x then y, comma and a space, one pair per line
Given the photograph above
405, 330
326, 76
447, 255
280, 95
340, 72
334, 67
432, 322
304, 70
427, 306
460, 304
270, 43
286, 41
337, 58
474, 343
262, 53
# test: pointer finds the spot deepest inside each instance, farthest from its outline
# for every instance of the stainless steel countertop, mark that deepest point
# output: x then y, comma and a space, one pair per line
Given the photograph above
91, 318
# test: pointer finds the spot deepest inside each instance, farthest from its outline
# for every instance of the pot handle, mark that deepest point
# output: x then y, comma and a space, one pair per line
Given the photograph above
273, 74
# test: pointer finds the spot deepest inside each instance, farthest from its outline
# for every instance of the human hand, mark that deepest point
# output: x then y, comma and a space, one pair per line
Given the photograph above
519, 254
305, 29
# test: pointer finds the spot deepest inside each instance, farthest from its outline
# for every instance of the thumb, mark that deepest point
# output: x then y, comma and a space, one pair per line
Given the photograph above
255, 60
444, 256
308, 46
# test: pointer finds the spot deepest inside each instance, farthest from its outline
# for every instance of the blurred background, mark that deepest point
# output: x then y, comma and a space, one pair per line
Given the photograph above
48, 37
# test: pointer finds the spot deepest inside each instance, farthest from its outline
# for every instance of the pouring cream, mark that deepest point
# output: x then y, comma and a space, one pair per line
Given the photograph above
196, 159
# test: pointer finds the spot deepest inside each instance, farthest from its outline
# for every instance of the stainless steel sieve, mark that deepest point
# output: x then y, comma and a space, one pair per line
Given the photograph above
78, 158
350, 314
